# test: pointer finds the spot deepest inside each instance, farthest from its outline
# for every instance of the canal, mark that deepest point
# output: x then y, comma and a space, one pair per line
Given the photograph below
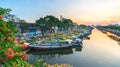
98, 51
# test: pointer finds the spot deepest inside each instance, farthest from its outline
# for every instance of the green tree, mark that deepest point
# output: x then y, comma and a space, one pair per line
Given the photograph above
51, 21
42, 24
4, 11
68, 23
23, 25
82, 26
11, 52
47, 23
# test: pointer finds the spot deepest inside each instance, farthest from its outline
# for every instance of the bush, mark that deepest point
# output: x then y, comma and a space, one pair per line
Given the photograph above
11, 50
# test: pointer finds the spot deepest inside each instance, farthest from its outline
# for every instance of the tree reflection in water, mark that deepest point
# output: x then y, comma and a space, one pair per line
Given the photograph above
79, 48
113, 37
86, 38
52, 54
37, 54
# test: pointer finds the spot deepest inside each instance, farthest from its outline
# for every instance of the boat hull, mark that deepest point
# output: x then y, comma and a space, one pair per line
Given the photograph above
48, 47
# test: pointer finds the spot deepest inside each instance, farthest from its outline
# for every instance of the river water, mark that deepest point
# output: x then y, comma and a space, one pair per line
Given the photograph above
98, 51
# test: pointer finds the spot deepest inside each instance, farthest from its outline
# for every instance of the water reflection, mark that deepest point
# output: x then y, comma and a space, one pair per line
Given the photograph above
86, 38
53, 54
98, 51
79, 48
47, 55
112, 36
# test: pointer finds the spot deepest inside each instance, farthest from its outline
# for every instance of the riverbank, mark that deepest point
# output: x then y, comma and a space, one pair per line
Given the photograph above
33, 54
114, 31
73, 38
96, 52
114, 37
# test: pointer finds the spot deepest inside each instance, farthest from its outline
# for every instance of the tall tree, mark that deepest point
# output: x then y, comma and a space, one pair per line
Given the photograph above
51, 21
23, 26
42, 24
47, 23
68, 23
4, 11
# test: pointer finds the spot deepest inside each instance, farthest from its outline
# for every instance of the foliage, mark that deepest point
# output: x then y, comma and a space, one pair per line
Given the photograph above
11, 53
67, 37
68, 23
4, 11
82, 26
31, 40
50, 22
75, 32
111, 27
40, 63
52, 35
47, 22
11, 50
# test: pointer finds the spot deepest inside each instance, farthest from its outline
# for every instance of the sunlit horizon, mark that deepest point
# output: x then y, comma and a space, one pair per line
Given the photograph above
80, 11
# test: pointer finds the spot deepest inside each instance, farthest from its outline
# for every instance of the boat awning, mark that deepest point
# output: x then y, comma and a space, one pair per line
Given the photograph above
68, 40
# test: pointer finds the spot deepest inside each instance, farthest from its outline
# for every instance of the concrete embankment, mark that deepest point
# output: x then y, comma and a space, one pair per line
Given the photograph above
116, 32
113, 34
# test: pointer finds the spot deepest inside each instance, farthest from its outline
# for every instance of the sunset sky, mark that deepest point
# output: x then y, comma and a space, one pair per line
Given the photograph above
80, 11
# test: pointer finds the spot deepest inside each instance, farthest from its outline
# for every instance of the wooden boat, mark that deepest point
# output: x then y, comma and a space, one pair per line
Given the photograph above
51, 52
49, 47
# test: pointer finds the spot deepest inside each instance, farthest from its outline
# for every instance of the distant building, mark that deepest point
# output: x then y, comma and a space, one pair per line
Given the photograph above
62, 19
18, 26
30, 28
116, 25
